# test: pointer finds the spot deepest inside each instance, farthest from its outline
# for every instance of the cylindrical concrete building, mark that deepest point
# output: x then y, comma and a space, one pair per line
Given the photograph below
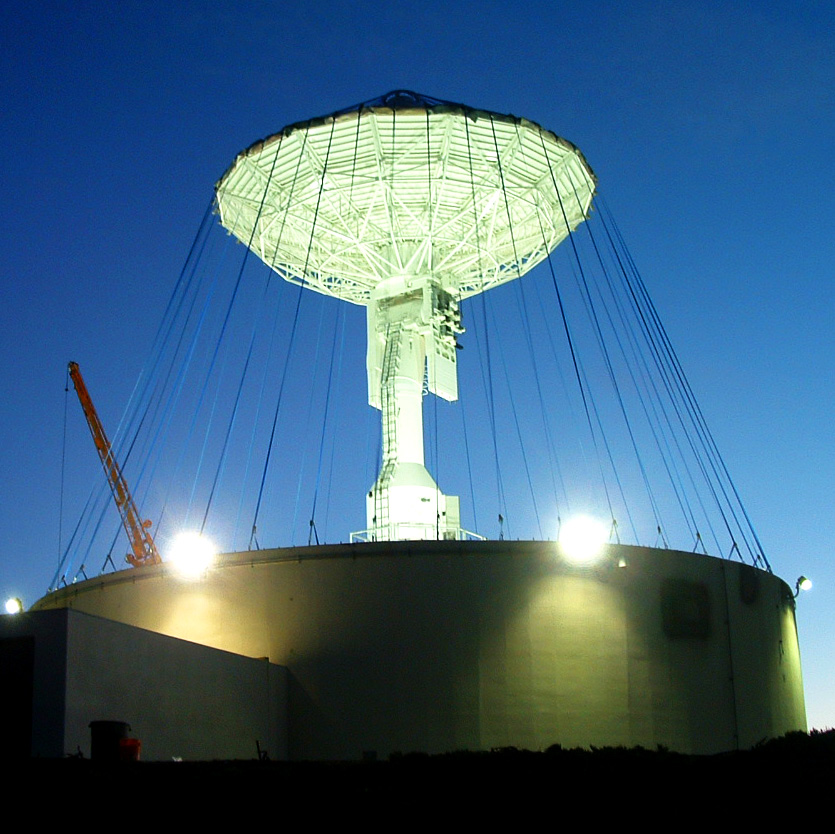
438, 646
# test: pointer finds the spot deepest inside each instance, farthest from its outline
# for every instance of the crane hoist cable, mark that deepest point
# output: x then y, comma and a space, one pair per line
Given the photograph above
143, 550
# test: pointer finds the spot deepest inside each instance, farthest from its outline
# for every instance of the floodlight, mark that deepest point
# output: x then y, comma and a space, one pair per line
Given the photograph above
582, 538
803, 584
14, 605
191, 554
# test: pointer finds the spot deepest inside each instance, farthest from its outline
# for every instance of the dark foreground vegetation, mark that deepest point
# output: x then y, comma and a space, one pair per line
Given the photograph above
609, 782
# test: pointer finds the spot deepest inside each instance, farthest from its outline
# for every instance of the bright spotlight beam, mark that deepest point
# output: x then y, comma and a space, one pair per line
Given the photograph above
14, 605
191, 554
582, 539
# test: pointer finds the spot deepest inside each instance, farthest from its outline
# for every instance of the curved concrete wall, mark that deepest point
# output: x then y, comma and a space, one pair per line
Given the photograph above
439, 646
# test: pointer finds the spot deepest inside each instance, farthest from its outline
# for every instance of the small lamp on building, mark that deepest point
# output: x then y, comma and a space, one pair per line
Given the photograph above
803, 584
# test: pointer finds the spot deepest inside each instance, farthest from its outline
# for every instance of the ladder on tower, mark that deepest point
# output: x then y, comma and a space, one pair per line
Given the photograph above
388, 401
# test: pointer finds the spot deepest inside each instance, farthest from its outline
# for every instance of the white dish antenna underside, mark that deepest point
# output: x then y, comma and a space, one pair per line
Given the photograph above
344, 202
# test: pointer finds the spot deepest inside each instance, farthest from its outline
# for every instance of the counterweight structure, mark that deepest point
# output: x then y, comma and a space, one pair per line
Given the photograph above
407, 205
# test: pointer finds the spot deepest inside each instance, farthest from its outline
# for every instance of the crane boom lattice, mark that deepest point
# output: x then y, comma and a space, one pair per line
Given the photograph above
143, 549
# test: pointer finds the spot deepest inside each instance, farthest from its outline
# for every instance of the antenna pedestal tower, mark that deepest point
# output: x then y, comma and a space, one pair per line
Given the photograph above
410, 319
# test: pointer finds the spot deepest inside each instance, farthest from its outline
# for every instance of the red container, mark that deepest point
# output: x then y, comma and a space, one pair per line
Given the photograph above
129, 749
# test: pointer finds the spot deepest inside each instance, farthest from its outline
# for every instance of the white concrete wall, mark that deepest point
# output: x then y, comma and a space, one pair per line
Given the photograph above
180, 699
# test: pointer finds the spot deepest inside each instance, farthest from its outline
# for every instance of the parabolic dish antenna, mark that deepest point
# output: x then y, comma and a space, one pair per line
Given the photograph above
407, 205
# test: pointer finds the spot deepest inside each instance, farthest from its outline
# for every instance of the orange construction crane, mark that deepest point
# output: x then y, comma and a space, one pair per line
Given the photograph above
143, 549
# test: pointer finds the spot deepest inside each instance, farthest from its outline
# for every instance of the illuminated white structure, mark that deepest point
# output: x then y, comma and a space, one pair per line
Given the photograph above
407, 205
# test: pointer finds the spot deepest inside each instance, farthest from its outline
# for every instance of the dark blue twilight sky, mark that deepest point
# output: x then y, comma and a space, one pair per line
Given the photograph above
710, 125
